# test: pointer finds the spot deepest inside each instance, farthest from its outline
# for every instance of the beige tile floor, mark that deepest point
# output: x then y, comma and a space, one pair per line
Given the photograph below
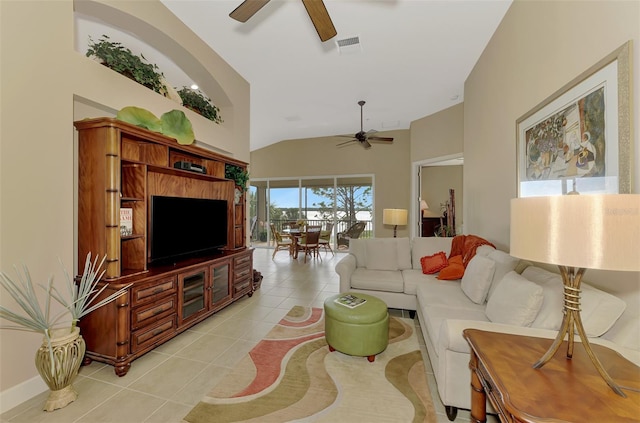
163, 385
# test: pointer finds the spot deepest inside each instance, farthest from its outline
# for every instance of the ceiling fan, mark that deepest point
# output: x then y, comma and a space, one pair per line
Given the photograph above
315, 8
364, 137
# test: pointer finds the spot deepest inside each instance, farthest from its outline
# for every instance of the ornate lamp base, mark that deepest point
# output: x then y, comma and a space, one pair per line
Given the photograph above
571, 278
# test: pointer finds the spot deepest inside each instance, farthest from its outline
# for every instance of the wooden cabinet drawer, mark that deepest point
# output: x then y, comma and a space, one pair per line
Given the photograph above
241, 287
241, 260
241, 273
145, 315
153, 333
153, 290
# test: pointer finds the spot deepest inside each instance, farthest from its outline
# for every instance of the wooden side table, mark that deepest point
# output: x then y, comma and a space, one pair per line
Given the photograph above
564, 390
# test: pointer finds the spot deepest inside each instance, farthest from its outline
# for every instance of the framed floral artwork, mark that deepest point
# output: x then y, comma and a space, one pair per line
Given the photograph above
579, 138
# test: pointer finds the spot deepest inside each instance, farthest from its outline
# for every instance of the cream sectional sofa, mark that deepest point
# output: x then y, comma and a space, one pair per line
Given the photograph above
497, 293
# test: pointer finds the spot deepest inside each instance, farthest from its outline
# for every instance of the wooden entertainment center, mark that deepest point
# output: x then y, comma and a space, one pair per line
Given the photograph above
123, 166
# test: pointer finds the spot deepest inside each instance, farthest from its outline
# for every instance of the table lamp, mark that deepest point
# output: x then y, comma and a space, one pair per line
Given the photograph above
577, 232
394, 217
423, 206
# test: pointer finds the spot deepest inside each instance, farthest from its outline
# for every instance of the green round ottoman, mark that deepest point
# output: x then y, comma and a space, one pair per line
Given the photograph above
362, 331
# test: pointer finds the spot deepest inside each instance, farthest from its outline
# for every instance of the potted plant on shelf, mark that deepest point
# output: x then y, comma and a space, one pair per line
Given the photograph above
237, 174
195, 100
120, 59
63, 348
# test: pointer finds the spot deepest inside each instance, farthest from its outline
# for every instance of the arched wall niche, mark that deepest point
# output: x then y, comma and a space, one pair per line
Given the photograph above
154, 25
158, 40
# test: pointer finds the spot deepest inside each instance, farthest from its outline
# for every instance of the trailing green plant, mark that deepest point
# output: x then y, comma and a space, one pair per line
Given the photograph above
199, 103
238, 174
120, 59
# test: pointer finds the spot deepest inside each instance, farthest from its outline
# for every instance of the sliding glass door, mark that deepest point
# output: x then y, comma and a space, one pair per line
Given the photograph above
335, 203
354, 203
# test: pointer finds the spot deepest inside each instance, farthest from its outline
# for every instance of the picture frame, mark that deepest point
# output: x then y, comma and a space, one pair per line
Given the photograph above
579, 138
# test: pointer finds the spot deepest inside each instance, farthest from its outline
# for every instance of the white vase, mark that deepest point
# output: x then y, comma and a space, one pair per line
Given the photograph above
68, 350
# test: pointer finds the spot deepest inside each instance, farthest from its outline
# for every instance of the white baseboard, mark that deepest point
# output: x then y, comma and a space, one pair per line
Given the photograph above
18, 394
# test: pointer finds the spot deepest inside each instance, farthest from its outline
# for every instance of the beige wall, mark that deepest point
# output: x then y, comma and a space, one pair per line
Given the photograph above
539, 47
40, 76
438, 135
389, 163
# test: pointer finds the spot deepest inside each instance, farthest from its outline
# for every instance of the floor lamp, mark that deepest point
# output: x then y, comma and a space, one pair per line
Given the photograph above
577, 232
394, 217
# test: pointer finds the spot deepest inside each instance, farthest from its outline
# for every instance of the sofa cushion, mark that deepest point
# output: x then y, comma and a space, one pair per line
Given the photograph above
516, 301
505, 263
381, 254
377, 280
455, 269
431, 291
404, 253
477, 278
550, 315
600, 310
435, 315
357, 247
484, 250
426, 246
400, 246
434, 263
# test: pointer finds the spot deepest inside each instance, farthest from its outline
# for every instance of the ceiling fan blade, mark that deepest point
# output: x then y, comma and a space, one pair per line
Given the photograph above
346, 142
366, 144
247, 9
380, 139
320, 18
345, 136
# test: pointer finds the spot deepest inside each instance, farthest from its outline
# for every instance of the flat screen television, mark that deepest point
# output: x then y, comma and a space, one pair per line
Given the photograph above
184, 227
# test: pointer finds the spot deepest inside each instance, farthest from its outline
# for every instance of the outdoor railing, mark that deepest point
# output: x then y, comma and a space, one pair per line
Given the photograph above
260, 234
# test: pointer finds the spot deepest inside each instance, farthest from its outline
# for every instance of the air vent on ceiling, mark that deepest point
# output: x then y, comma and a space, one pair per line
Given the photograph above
349, 45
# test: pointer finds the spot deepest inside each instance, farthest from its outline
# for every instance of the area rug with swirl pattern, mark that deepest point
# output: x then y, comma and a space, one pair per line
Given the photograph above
290, 375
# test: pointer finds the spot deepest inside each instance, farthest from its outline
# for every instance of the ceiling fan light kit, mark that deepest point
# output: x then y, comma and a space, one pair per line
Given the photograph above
315, 9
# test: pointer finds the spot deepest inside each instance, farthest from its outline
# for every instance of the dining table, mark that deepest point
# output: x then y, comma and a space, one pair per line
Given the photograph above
295, 234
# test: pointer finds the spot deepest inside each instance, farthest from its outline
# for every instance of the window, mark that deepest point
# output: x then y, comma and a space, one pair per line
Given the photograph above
341, 201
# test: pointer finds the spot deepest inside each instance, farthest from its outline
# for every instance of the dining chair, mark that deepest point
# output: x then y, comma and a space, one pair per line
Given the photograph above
309, 242
280, 243
325, 238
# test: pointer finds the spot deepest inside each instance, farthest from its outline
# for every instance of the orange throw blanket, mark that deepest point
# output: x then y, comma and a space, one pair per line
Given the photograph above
466, 246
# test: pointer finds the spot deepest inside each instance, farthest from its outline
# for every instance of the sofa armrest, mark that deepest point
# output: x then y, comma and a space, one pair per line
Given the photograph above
345, 268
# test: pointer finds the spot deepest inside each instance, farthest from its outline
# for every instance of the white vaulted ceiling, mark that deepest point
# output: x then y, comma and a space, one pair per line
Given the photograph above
413, 59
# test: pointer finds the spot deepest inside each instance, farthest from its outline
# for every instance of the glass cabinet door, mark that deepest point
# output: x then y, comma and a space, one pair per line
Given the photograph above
192, 289
220, 283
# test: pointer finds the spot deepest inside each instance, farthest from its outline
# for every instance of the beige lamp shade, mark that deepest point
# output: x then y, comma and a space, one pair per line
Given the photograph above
585, 231
394, 216
423, 205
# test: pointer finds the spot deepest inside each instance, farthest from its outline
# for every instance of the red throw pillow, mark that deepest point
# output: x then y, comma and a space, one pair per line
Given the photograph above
433, 264
455, 269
